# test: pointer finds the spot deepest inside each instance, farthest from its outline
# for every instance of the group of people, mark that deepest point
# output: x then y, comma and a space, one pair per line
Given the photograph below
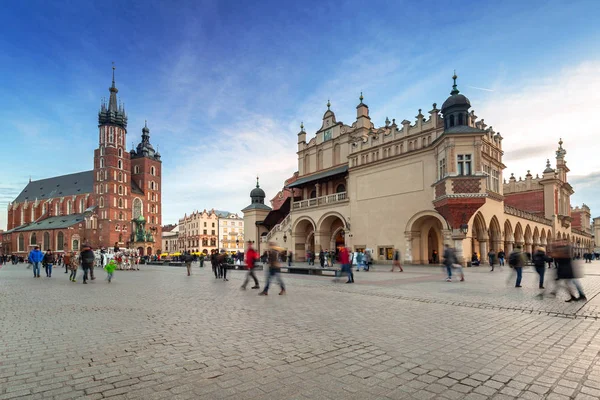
70, 260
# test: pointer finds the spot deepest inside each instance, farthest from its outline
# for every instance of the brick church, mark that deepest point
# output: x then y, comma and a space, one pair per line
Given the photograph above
117, 203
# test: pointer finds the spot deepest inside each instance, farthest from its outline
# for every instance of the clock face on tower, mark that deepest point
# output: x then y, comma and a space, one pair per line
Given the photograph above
327, 135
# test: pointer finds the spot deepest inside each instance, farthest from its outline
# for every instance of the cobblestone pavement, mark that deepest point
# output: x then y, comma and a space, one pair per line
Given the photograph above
157, 334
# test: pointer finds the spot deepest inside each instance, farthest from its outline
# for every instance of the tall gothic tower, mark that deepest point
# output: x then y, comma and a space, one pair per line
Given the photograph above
112, 176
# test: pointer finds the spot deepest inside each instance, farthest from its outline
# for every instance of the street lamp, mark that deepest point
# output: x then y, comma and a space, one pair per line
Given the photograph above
464, 228
284, 238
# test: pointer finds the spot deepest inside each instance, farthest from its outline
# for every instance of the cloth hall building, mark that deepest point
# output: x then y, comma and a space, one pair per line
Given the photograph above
415, 186
117, 203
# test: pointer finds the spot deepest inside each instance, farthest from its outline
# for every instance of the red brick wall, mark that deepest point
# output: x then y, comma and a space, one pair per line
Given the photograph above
466, 185
577, 216
532, 201
440, 189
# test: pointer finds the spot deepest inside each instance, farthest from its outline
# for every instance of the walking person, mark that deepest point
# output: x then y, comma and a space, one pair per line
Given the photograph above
222, 263
274, 270
565, 271
48, 261
289, 258
35, 258
346, 265
86, 260
492, 258
213, 263
70, 261
359, 260
188, 262
110, 270
449, 259
516, 261
396, 261
501, 256
251, 258
539, 261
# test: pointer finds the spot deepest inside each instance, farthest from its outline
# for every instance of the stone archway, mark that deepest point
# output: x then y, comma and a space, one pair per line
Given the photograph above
495, 237
149, 251
479, 238
140, 251
509, 238
425, 235
519, 238
330, 231
303, 237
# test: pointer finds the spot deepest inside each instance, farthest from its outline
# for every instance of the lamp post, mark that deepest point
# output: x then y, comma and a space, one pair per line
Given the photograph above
284, 238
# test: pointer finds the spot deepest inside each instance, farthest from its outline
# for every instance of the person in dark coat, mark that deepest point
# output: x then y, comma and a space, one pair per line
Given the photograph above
565, 272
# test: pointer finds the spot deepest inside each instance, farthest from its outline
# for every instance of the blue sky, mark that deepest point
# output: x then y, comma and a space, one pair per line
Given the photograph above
224, 85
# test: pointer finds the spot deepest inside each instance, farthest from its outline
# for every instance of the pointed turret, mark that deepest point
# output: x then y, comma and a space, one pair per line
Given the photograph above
114, 113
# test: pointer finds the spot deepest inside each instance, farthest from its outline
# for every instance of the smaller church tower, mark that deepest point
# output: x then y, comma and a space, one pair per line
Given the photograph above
254, 215
146, 187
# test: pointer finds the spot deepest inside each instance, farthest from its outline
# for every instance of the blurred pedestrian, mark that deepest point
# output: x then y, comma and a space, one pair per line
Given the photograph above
251, 258
274, 269
345, 262
492, 258
449, 260
539, 261
396, 261
516, 260
222, 264
70, 261
561, 252
188, 259
110, 270
86, 260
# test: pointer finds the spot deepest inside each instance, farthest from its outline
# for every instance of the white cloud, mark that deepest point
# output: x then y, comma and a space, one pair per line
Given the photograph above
534, 113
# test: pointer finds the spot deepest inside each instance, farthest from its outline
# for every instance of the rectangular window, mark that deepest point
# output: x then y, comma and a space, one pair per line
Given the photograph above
205, 224
204, 231
442, 168
213, 224
496, 181
464, 164
213, 232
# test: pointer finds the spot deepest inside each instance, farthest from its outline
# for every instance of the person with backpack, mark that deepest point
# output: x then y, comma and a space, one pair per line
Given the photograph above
396, 261
516, 260
251, 258
86, 260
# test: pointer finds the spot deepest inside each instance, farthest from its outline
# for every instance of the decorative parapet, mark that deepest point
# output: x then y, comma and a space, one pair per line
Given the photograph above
525, 215
580, 232
319, 201
280, 226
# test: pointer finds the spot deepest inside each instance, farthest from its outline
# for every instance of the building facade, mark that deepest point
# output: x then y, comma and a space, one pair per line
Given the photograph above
415, 186
170, 239
199, 231
231, 232
117, 203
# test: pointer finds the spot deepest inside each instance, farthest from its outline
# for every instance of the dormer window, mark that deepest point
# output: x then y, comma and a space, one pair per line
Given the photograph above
460, 119
451, 120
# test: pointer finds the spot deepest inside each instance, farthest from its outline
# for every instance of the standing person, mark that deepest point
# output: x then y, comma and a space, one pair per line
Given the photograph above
48, 261
110, 270
188, 259
274, 270
86, 260
35, 258
396, 261
322, 258
71, 263
501, 257
516, 260
565, 273
289, 258
449, 260
213, 262
251, 258
368, 260
491, 258
345, 262
202, 260
539, 260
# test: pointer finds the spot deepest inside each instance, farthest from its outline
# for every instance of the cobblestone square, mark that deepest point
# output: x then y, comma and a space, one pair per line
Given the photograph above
158, 334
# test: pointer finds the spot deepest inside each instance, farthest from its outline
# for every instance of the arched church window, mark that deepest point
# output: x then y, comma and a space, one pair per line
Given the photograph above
121, 189
136, 169
460, 119
137, 207
21, 242
33, 239
152, 171
111, 135
452, 120
121, 216
102, 163
60, 241
120, 203
101, 202
120, 152
101, 150
120, 177
120, 163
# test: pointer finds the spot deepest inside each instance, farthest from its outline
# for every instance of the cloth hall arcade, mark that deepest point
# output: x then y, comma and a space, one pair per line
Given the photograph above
415, 186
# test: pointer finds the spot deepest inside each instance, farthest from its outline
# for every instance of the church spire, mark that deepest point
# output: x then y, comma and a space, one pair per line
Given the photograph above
114, 114
112, 102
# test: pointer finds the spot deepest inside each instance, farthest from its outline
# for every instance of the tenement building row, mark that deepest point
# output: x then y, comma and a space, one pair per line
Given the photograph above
115, 204
205, 231
415, 186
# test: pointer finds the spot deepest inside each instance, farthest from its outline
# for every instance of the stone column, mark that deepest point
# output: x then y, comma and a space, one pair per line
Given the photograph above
483, 250
318, 189
408, 253
509, 247
296, 240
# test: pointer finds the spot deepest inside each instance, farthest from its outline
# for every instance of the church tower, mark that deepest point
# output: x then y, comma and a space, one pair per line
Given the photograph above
112, 188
